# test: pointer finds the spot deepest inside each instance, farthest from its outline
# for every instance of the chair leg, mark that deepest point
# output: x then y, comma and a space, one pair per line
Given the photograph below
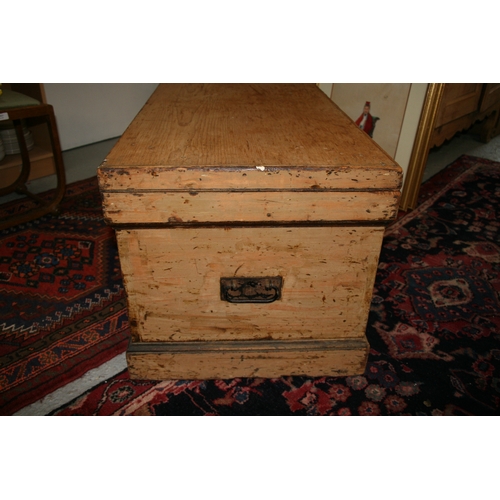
19, 183
58, 159
52, 205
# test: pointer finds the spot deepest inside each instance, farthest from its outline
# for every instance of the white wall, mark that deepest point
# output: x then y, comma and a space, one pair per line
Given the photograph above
93, 112
409, 128
327, 88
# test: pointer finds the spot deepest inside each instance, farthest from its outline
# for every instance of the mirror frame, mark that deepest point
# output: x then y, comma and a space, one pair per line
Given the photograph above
420, 151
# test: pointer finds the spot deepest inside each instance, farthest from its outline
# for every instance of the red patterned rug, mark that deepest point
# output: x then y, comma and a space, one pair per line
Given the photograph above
62, 304
434, 325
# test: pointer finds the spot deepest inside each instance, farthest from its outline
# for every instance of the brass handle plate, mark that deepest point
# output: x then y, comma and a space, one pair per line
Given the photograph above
251, 290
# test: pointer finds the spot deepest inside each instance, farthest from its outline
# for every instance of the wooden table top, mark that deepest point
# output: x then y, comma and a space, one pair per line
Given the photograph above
185, 125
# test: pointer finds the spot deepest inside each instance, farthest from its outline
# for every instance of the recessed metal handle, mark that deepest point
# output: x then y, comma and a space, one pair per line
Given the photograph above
251, 290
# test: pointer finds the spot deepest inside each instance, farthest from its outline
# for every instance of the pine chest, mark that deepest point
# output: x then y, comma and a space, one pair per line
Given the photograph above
249, 221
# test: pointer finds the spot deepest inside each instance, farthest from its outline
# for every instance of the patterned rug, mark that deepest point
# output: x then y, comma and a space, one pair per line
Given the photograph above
434, 324
62, 304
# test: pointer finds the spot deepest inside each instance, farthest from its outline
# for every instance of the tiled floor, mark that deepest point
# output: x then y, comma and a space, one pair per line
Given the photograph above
465, 143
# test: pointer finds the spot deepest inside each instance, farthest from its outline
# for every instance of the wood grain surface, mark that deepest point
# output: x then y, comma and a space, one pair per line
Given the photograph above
172, 277
215, 360
258, 206
235, 126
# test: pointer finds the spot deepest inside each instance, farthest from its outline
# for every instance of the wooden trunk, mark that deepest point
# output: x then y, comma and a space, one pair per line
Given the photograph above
249, 221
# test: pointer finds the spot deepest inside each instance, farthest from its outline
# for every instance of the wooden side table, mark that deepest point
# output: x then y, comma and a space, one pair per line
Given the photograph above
16, 107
